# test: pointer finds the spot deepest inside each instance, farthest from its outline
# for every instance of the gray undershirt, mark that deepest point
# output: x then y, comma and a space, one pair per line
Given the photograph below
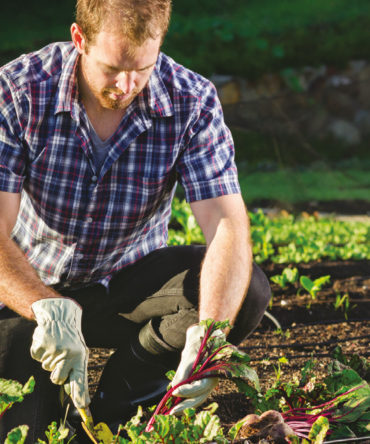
100, 147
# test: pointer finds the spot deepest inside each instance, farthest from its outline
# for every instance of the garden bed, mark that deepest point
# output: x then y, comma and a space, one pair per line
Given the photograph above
306, 332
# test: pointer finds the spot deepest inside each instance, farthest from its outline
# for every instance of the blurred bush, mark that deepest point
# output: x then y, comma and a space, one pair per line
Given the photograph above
242, 37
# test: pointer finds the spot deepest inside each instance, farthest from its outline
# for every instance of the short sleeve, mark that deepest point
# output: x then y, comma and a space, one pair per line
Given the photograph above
207, 165
12, 157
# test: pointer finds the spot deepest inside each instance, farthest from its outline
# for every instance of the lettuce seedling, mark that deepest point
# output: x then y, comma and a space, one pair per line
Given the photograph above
288, 276
313, 287
216, 357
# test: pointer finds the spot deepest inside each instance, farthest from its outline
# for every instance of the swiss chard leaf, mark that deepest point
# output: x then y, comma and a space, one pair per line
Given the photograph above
13, 391
319, 430
343, 380
17, 435
356, 404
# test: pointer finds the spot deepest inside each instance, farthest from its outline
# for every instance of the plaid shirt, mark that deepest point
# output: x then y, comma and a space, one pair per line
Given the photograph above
77, 225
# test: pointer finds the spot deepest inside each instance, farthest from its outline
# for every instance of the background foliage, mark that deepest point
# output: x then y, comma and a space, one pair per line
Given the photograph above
245, 37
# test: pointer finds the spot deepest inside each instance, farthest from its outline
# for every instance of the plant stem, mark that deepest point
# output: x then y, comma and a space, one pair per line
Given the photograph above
6, 408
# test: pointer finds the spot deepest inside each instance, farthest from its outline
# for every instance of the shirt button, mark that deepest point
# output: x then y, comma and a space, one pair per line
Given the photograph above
89, 220
94, 179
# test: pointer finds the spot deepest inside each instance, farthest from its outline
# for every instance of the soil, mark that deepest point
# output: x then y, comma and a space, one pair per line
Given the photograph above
310, 328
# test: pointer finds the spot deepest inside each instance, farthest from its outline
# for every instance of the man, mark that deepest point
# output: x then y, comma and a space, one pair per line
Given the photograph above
94, 136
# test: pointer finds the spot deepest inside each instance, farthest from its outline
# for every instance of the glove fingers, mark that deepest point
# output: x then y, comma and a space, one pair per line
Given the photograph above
194, 337
196, 388
37, 353
78, 388
37, 348
189, 403
60, 372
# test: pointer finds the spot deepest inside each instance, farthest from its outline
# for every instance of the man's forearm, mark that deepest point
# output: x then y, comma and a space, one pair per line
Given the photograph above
226, 271
20, 285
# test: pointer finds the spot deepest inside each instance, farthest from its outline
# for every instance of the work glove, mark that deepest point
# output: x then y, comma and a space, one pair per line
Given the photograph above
59, 345
196, 392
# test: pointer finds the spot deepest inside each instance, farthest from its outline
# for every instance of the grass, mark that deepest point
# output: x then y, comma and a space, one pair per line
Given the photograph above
292, 185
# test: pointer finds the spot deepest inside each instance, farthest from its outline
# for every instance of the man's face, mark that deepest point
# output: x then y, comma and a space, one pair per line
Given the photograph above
113, 71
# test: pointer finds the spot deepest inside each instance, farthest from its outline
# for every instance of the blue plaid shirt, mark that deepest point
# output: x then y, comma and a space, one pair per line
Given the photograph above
77, 225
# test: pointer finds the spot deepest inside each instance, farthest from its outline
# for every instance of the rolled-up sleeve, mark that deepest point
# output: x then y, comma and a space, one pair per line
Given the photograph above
12, 156
207, 166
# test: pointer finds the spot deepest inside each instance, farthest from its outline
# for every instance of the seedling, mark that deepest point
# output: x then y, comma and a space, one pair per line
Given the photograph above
343, 303
288, 276
284, 334
313, 287
56, 435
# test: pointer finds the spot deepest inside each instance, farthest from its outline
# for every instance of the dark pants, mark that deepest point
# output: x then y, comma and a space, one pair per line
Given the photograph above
162, 287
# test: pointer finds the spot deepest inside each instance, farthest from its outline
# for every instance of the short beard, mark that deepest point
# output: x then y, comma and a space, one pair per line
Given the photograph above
107, 102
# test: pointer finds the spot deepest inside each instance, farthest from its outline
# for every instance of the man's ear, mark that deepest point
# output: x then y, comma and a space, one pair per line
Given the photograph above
78, 38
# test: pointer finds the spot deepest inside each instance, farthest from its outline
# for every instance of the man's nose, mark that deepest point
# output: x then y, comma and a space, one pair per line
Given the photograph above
126, 82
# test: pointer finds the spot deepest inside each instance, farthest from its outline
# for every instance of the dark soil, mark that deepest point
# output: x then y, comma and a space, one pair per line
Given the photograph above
310, 328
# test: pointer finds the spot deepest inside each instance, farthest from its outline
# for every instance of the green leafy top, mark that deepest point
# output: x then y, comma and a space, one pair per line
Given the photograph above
13, 391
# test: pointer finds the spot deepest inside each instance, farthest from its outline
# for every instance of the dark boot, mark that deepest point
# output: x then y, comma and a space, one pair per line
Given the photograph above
133, 376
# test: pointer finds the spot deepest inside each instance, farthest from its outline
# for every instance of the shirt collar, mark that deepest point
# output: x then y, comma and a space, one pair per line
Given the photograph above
159, 101
67, 95
154, 97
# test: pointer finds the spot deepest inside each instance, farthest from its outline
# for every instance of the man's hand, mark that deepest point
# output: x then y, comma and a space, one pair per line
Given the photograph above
59, 345
195, 392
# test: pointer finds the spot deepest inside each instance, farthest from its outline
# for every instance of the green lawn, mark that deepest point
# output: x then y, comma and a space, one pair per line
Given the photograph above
292, 186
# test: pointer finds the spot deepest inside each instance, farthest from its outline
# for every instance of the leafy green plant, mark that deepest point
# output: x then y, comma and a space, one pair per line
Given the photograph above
183, 217
56, 435
358, 363
285, 240
313, 287
13, 391
343, 398
288, 276
17, 436
216, 357
191, 427
346, 408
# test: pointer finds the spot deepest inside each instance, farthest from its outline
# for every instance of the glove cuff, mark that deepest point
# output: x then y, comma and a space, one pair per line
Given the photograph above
57, 309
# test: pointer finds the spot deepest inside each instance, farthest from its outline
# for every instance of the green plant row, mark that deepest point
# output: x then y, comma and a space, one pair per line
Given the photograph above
289, 277
286, 239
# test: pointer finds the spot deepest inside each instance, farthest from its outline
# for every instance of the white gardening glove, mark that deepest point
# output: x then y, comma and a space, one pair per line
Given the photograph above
59, 345
196, 392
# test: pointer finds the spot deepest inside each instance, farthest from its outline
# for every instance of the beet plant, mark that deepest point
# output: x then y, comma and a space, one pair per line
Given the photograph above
339, 406
216, 358
13, 391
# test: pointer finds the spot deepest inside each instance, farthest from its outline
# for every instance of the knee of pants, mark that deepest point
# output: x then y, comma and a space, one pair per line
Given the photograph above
253, 307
